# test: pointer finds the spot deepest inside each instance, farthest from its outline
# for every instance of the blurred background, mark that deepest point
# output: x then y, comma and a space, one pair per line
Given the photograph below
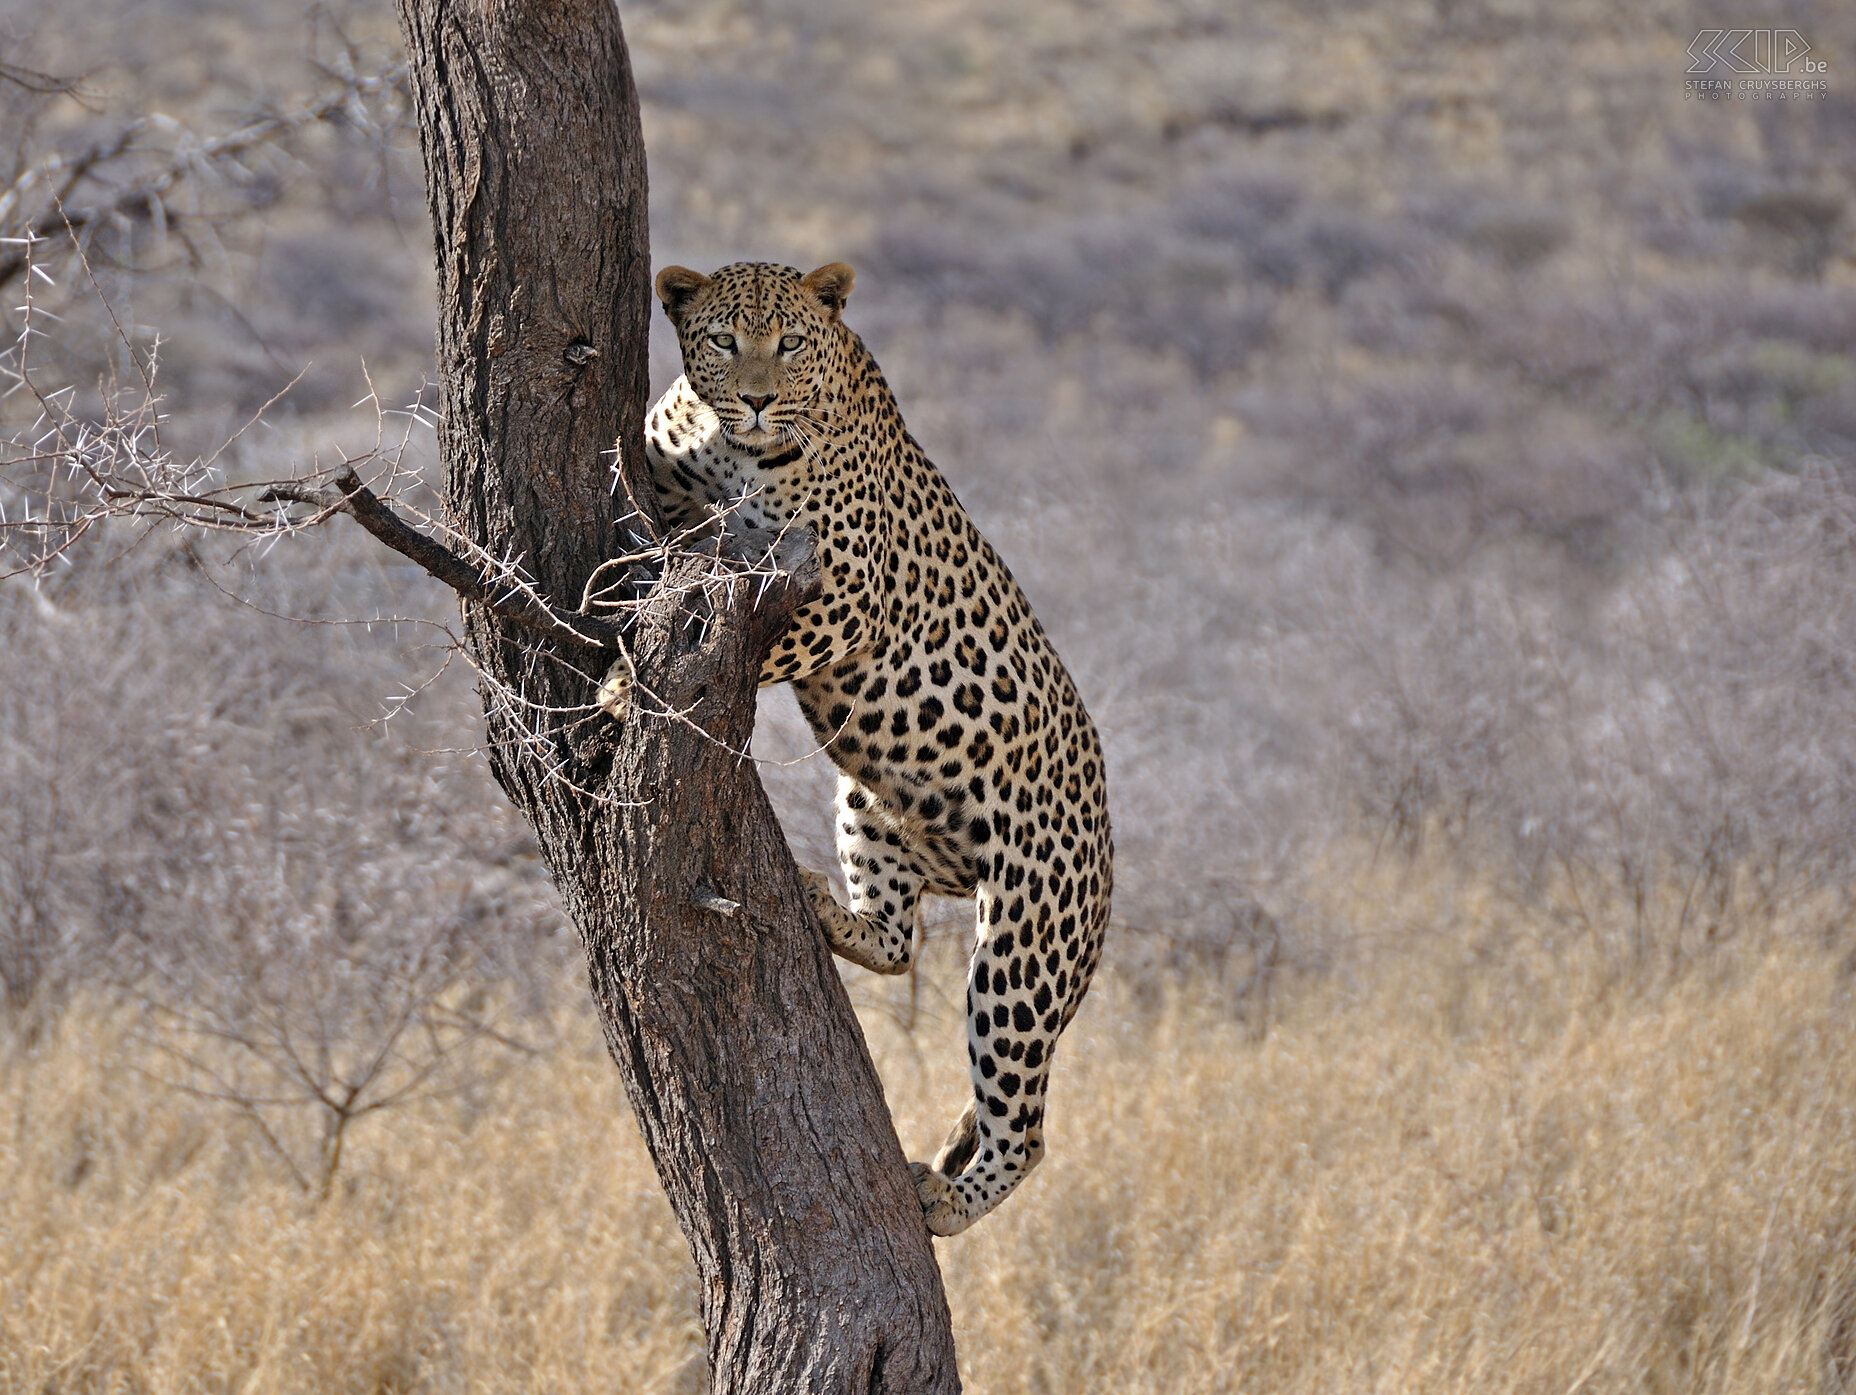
1427, 430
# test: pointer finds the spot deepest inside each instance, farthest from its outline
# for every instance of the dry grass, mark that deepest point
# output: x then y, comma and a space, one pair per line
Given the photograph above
1480, 1152
505, 1243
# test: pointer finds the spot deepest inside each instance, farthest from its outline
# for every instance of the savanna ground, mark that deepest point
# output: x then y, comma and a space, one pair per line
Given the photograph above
1428, 437
1493, 1159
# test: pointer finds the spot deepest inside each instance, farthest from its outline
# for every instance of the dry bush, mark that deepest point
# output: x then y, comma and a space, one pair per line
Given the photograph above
1691, 732
238, 185
212, 811
433, 1264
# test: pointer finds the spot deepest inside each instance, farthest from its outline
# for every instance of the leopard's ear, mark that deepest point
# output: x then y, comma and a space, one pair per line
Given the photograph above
677, 286
832, 287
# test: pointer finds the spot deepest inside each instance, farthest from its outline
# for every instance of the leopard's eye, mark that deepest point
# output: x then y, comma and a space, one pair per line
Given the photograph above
791, 343
724, 342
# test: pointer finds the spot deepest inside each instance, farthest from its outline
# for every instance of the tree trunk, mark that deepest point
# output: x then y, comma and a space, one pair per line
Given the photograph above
733, 1034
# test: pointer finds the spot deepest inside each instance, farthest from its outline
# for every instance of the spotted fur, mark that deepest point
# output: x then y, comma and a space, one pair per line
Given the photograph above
967, 765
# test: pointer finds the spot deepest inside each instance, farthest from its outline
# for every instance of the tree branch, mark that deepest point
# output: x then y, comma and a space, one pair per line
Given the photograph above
784, 566
509, 598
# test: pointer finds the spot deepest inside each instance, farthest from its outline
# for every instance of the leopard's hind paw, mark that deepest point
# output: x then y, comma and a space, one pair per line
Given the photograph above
942, 1207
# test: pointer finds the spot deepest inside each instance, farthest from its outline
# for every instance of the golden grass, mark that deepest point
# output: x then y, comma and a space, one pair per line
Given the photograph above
1484, 1156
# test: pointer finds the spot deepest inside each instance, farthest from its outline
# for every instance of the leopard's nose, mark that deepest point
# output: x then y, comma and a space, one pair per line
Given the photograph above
758, 404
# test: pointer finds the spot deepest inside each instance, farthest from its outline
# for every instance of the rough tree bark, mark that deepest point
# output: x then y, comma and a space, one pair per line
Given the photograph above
736, 1042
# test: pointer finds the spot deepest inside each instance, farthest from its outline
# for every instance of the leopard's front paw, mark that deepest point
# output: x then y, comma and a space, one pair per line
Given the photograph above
942, 1207
615, 692
818, 891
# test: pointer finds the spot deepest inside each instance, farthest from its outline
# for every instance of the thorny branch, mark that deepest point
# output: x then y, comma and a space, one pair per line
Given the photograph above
503, 595
499, 585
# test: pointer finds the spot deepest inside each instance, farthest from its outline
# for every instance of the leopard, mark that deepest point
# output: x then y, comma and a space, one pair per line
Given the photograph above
967, 765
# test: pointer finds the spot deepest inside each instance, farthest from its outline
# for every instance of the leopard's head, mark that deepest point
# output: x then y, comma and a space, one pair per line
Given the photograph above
762, 344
